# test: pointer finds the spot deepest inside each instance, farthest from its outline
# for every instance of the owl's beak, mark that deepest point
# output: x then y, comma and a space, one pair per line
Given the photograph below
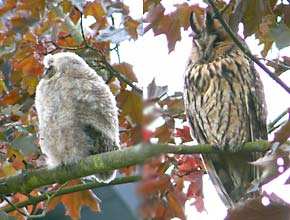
208, 49
48, 72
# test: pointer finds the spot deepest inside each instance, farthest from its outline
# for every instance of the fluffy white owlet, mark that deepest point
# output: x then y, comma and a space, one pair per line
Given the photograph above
77, 112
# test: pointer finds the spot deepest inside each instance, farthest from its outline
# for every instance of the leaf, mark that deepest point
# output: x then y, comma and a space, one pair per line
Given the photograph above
26, 145
29, 83
283, 133
7, 6
96, 10
74, 201
29, 66
154, 185
281, 35
11, 98
263, 34
131, 26
255, 11
170, 24
163, 133
148, 4
127, 70
184, 134
130, 105
175, 205
154, 91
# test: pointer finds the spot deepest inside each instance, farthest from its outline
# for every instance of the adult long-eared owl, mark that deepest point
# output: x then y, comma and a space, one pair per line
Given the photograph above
77, 112
225, 106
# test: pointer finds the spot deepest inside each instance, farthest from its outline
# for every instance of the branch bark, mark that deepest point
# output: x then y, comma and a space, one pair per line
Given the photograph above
80, 187
29, 180
245, 50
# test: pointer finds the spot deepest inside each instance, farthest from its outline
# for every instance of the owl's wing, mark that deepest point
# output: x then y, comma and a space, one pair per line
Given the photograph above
97, 114
257, 107
100, 139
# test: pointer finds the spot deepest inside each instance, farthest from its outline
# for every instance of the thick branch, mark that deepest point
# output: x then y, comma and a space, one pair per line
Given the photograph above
29, 180
245, 50
76, 188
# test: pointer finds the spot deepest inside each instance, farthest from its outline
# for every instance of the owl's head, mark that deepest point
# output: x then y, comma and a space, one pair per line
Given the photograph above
66, 63
208, 34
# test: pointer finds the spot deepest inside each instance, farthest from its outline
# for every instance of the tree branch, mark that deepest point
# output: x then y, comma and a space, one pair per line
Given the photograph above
244, 49
76, 188
29, 180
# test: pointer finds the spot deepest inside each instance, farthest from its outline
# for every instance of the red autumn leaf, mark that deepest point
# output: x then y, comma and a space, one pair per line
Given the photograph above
184, 134
146, 135
154, 185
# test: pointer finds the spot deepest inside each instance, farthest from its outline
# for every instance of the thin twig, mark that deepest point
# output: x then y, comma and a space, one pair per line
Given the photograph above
245, 50
75, 188
272, 124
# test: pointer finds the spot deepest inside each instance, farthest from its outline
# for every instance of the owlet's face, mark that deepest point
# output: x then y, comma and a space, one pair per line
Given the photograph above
65, 63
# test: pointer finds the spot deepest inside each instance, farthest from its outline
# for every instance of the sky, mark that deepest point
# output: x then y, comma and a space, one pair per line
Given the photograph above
150, 59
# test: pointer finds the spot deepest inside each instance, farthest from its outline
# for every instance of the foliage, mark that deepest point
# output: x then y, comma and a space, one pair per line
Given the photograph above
31, 29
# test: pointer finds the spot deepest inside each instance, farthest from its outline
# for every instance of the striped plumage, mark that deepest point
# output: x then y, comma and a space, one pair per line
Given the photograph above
225, 107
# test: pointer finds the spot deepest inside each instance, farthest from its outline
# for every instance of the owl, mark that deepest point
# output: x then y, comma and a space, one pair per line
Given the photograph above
225, 107
77, 112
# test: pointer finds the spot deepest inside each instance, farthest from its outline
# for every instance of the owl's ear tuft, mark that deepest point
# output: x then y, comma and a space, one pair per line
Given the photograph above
195, 24
48, 60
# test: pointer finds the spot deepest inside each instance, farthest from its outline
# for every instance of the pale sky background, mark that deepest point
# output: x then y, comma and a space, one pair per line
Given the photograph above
150, 59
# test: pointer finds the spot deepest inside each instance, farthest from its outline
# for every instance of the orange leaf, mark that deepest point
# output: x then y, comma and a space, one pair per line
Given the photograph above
74, 201
96, 10
11, 98
7, 6
131, 27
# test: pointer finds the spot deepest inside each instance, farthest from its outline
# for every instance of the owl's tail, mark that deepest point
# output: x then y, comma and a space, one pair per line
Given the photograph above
231, 174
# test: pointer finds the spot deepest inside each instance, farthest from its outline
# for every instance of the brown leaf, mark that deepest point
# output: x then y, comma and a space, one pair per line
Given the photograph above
163, 133
175, 205
130, 105
127, 70
131, 26
254, 209
148, 4
74, 201
170, 24
255, 11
